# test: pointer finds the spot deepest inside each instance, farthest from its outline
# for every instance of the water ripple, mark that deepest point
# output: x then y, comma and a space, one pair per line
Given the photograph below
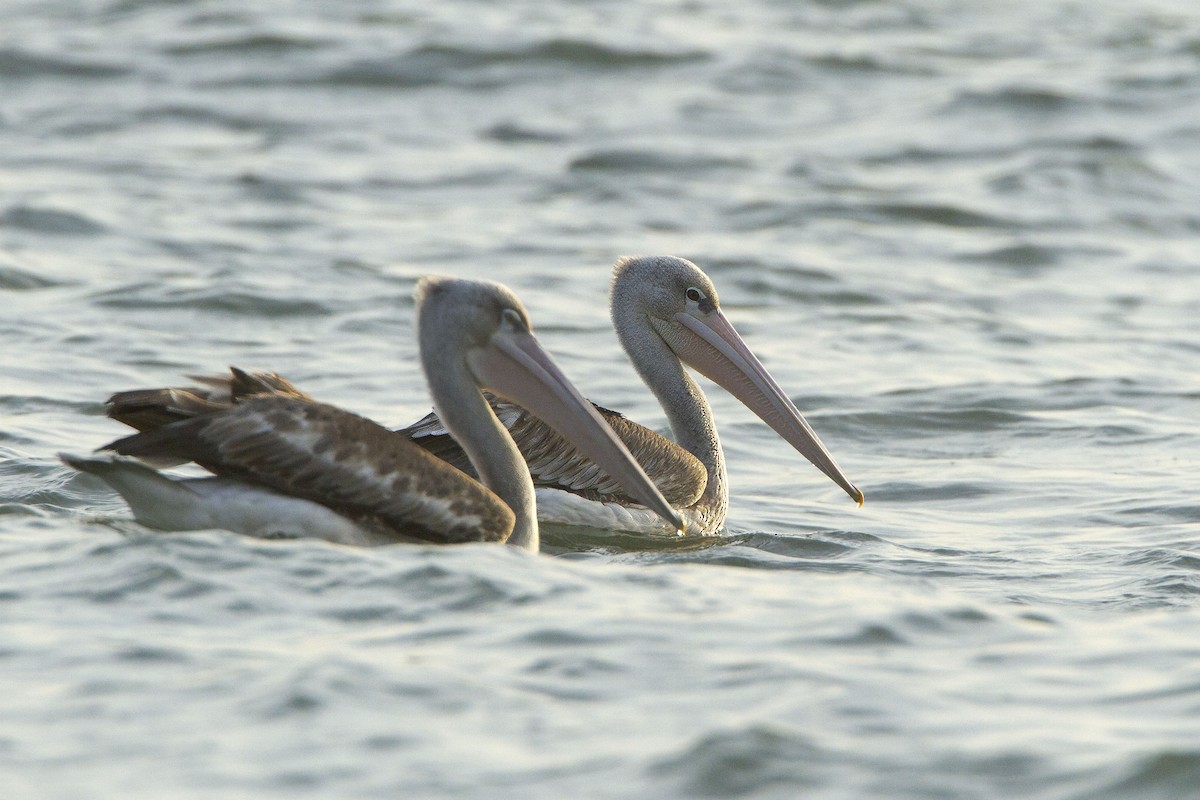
743, 762
240, 302
248, 44
1167, 774
434, 64
14, 279
1019, 100
50, 220
23, 65
642, 161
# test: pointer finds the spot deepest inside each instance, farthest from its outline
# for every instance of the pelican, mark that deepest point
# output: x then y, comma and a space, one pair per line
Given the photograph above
666, 313
286, 464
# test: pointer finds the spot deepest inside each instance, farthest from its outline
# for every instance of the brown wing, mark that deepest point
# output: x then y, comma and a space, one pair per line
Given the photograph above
147, 409
555, 462
341, 460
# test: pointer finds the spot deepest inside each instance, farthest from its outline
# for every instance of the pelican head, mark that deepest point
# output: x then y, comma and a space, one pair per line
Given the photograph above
683, 309
466, 314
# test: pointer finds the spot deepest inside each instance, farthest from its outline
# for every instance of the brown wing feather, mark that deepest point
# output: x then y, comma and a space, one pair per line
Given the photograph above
554, 462
341, 460
147, 409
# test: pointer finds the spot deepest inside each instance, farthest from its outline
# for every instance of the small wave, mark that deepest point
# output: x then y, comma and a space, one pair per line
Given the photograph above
516, 133
865, 64
907, 628
936, 420
905, 492
1181, 586
578, 669
241, 302
1015, 99
132, 577
34, 485
248, 44
810, 547
642, 161
933, 213
571, 52
784, 288
763, 216
846, 63
1097, 143
561, 540
460, 590
152, 654
745, 551
272, 190
20, 509
1173, 558
210, 116
313, 684
17, 64
18, 280
951, 152
442, 63
751, 268
1022, 256
427, 582
50, 220
870, 635
744, 761
1166, 774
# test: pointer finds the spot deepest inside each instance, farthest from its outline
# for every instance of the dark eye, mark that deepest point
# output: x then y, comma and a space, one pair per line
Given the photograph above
514, 319
694, 295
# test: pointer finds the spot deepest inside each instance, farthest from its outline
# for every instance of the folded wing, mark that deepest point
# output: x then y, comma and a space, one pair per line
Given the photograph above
311, 450
555, 463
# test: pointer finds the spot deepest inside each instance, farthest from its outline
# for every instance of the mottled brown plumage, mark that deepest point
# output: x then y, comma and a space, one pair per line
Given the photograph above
556, 463
553, 461
296, 446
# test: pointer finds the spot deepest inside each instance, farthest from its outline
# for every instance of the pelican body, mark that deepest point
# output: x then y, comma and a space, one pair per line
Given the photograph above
285, 464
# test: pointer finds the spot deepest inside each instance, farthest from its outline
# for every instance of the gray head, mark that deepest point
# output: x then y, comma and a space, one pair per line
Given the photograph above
454, 314
662, 286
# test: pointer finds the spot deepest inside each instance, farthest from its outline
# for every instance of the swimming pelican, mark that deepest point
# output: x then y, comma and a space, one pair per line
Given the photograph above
286, 464
667, 314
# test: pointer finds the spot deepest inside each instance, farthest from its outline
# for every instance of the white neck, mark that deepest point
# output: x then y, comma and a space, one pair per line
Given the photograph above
686, 407
473, 424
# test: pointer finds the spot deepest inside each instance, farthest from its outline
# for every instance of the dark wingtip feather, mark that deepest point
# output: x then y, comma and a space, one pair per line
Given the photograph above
176, 443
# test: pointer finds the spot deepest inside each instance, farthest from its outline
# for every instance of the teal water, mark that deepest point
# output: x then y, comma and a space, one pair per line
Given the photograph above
963, 236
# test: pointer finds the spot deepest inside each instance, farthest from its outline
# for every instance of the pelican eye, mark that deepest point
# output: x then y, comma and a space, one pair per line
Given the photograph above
514, 320
694, 295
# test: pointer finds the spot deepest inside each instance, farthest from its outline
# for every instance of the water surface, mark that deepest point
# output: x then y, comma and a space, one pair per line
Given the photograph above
961, 235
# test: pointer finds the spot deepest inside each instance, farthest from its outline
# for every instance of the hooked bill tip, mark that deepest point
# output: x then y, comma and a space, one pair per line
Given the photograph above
862, 498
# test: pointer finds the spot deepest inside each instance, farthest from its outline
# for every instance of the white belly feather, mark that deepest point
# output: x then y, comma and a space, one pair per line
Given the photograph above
557, 507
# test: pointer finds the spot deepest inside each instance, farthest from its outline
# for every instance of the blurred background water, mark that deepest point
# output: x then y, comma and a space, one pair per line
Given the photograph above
962, 235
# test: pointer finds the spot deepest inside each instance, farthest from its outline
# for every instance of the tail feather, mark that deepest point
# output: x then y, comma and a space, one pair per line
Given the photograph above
156, 500
192, 504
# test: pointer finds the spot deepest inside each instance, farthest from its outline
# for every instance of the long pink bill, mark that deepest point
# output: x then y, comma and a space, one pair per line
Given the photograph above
712, 347
517, 368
